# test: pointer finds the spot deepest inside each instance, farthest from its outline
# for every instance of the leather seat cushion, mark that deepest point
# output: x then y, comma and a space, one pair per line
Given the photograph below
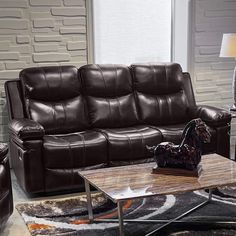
129, 144
74, 150
173, 133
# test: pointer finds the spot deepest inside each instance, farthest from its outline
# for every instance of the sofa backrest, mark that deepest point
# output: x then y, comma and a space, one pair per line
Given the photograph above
52, 97
162, 95
66, 99
109, 94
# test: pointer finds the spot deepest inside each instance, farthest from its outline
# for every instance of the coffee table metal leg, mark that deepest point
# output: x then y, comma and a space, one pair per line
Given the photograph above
210, 195
121, 220
164, 222
89, 201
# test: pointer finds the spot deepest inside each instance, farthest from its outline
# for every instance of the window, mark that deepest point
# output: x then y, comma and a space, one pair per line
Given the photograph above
132, 31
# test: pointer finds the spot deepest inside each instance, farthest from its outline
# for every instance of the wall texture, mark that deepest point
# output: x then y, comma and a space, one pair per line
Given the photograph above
212, 74
39, 33
53, 32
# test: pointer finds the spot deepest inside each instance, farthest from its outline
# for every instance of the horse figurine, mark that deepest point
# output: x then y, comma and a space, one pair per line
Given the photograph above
187, 155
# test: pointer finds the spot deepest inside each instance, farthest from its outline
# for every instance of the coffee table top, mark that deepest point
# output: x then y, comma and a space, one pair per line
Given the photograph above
137, 181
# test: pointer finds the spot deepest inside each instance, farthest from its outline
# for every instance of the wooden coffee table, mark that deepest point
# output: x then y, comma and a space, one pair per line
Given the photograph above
137, 181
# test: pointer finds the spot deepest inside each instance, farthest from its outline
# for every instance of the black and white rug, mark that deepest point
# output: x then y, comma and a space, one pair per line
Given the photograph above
69, 216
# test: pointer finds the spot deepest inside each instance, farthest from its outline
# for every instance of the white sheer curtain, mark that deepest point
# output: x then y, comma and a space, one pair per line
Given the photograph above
128, 31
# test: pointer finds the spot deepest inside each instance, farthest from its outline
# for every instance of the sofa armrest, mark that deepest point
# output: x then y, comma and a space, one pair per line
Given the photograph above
3, 151
211, 115
26, 129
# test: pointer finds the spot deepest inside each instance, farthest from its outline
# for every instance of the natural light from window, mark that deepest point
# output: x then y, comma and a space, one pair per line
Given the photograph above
132, 31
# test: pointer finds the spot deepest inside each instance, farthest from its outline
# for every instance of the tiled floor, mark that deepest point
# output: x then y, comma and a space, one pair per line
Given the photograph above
15, 225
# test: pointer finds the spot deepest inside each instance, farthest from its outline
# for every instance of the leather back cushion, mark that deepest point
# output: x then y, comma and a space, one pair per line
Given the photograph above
109, 93
52, 98
161, 97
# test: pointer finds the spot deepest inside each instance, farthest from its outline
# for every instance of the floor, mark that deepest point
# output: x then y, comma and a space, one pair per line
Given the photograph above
15, 225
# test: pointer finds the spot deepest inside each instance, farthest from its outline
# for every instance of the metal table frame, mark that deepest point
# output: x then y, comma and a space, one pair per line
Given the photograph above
121, 220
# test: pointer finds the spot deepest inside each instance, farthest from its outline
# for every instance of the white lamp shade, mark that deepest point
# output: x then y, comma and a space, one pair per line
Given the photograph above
228, 45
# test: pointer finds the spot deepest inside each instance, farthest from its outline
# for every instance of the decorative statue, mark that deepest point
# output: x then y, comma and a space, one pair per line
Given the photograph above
187, 155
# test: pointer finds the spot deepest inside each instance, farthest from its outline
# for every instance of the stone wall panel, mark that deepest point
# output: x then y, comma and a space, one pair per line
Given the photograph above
39, 33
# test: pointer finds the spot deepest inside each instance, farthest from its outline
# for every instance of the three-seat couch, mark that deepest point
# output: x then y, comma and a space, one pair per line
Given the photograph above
63, 119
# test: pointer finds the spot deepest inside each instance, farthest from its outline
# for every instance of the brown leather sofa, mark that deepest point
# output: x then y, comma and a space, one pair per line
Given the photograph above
63, 119
6, 202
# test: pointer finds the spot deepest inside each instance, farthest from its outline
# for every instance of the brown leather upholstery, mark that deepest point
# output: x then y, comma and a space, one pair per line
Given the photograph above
52, 97
211, 115
129, 144
64, 119
26, 129
14, 98
173, 133
6, 202
161, 96
109, 94
69, 152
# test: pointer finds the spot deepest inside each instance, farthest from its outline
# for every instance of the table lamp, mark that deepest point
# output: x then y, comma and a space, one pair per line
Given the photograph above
228, 49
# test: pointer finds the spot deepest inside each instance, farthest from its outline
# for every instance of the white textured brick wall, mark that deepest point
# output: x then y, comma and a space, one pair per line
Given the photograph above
39, 33
212, 74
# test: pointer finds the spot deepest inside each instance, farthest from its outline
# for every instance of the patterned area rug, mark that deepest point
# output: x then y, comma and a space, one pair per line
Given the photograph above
69, 216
